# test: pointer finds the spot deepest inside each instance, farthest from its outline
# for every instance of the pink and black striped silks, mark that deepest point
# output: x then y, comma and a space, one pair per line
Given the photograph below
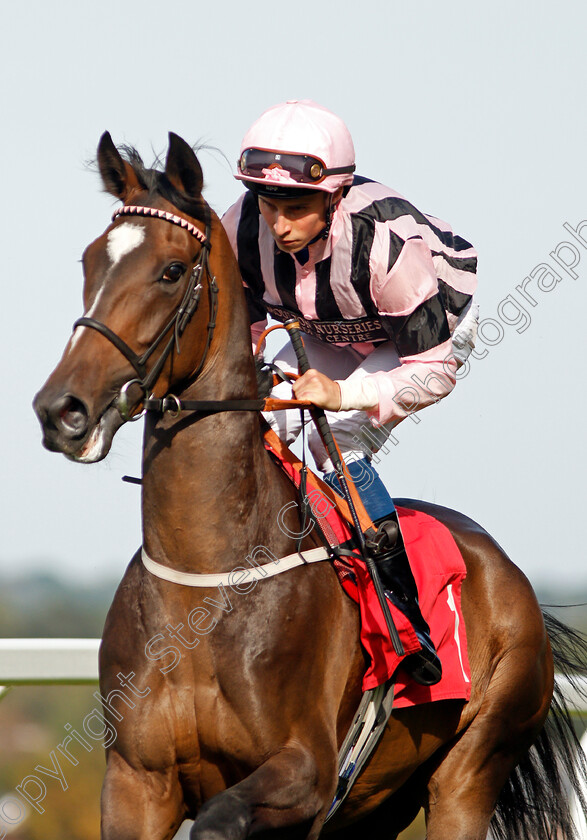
386, 272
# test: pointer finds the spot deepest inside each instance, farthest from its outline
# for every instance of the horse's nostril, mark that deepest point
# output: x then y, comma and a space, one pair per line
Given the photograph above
70, 415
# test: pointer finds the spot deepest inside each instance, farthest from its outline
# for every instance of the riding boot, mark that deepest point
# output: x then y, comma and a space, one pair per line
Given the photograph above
400, 588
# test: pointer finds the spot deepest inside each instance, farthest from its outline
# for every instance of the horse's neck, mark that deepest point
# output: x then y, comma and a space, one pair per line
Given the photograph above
209, 489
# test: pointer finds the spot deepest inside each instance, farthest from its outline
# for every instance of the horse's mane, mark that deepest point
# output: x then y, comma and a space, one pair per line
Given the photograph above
155, 181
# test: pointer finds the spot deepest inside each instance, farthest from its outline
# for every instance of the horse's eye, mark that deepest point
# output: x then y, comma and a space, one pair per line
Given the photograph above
173, 273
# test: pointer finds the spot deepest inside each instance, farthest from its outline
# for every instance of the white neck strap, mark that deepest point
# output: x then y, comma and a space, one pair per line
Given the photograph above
239, 575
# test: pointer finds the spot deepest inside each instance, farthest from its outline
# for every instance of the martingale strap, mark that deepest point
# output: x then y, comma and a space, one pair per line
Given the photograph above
238, 575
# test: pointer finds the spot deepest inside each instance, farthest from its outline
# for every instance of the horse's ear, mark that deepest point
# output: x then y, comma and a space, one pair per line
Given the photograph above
183, 168
118, 176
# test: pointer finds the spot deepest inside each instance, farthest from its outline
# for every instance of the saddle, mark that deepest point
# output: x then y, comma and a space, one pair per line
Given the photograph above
438, 569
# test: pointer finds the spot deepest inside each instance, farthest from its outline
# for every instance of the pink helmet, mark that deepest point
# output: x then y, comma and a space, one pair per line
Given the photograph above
296, 145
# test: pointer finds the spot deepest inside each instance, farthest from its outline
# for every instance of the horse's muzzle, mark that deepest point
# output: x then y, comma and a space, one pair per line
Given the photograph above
64, 420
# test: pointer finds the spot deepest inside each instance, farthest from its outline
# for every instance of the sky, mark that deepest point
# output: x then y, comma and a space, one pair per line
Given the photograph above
474, 112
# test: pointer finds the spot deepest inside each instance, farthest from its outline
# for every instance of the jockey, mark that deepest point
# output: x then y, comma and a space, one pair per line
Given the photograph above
382, 292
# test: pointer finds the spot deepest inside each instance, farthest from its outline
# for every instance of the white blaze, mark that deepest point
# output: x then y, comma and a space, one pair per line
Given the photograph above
124, 239
121, 241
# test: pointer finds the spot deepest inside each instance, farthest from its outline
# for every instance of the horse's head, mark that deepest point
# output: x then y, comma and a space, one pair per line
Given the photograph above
146, 282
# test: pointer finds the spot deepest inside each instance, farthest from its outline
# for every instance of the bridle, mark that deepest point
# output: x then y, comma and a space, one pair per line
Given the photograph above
174, 328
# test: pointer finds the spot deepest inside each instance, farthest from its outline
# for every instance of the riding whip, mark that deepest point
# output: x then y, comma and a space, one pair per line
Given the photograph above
319, 417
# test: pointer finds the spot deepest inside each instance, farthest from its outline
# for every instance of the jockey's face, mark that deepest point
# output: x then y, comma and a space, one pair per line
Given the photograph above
295, 222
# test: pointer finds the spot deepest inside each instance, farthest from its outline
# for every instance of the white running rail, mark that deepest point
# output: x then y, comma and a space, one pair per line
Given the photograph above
48, 661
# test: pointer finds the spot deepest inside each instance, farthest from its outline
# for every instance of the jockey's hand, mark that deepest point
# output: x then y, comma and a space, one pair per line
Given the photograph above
318, 389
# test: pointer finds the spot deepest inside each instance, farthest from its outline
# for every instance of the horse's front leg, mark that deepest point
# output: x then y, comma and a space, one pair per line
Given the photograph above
288, 790
140, 804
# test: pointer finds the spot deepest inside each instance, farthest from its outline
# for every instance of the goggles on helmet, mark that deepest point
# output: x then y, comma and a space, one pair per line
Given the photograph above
304, 169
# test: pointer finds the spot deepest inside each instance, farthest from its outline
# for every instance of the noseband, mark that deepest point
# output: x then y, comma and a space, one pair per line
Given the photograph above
177, 323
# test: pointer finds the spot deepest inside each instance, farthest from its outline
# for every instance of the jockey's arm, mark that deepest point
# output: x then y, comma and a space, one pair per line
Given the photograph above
407, 299
386, 396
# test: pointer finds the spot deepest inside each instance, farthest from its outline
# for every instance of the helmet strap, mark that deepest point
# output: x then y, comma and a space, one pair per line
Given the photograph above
331, 207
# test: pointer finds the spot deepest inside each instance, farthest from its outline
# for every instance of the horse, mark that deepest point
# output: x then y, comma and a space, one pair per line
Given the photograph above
230, 709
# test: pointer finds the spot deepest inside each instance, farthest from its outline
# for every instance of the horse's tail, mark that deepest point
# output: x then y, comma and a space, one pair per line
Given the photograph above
535, 801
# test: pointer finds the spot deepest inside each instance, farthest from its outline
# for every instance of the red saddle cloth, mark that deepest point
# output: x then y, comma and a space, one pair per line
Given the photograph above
439, 571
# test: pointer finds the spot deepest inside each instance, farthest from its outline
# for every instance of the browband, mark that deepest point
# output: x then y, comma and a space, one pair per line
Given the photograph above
153, 212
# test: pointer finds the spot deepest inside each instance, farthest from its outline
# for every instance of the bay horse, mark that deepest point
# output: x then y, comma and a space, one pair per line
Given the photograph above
228, 709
